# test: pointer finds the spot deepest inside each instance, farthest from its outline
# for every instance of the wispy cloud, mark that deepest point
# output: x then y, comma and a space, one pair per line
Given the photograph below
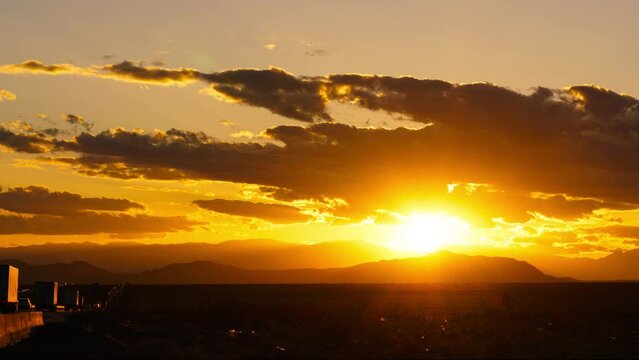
7, 95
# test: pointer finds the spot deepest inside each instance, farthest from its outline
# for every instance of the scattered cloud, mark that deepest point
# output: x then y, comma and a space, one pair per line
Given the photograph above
422, 100
123, 71
37, 210
280, 92
313, 48
42, 201
25, 139
270, 46
316, 52
78, 120
336, 161
227, 122
565, 153
275, 213
37, 67
274, 89
7, 95
244, 134
136, 72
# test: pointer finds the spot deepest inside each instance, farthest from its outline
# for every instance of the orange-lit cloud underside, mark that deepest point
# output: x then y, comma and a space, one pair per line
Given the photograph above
538, 165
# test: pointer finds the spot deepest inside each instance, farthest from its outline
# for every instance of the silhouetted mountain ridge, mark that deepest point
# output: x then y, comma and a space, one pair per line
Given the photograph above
75, 272
123, 258
616, 266
133, 258
443, 267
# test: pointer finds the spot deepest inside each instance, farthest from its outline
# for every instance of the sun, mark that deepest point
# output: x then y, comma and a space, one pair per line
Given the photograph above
426, 233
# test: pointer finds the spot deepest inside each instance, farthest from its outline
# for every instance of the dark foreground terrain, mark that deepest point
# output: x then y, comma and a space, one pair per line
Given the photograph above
586, 320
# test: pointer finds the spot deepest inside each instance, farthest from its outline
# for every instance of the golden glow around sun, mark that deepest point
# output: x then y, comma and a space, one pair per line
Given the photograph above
425, 233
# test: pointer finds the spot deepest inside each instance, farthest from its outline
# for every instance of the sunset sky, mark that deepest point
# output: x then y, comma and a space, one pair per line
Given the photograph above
493, 127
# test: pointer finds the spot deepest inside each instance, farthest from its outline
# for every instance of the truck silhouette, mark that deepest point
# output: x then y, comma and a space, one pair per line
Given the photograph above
46, 295
8, 288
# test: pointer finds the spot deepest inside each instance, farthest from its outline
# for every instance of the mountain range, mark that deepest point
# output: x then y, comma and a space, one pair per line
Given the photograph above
622, 266
258, 254
127, 257
442, 267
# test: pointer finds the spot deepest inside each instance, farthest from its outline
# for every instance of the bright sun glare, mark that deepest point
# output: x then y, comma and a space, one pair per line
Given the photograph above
425, 233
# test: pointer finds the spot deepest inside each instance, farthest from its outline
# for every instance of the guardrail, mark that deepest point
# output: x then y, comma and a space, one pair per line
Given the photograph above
17, 326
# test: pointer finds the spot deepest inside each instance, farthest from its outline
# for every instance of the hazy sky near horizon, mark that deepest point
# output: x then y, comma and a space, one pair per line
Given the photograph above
176, 61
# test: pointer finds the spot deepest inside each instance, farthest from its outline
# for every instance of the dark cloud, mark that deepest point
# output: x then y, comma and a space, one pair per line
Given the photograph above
40, 200
398, 170
280, 92
124, 71
603, 103
577, 146
78, 120
276, 213
52, 132
93, 223
295, 136
542, 113
73, 119
44, 212
127, 70
274, 89
32, 142
35, 65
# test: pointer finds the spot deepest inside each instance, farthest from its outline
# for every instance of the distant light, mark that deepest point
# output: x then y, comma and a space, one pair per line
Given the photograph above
425, 233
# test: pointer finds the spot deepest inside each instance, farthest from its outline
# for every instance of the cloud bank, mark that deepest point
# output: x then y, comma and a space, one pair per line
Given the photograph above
39, 211
484, 152
40, 200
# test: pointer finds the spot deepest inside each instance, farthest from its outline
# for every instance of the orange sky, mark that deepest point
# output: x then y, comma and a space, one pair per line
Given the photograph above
208, 122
